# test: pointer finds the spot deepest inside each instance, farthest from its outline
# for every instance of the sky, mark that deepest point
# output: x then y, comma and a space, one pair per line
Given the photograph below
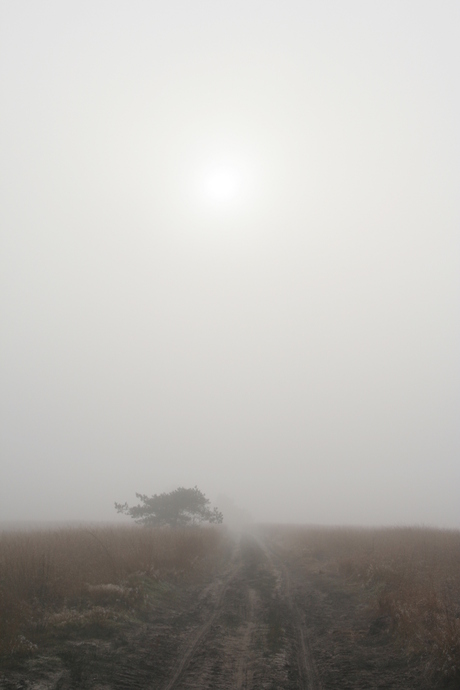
229, 257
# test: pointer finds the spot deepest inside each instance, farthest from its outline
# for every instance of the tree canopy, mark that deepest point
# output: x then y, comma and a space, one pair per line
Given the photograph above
179, 508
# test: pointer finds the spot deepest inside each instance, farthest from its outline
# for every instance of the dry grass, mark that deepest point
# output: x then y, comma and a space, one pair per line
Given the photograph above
413, 572
79, 576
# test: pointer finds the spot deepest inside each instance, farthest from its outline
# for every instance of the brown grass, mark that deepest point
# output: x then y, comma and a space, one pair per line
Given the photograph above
78, 576
413, 572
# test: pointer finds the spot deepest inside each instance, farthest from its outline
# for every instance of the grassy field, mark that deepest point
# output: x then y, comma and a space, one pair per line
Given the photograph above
51, 581
413, 572
79, 577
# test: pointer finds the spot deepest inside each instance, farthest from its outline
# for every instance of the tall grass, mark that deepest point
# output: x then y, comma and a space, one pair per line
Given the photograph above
413, 572
51, 573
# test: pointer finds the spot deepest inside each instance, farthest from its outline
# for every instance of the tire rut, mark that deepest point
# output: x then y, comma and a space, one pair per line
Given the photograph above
258, 639
245, 672
307, 667
201, 633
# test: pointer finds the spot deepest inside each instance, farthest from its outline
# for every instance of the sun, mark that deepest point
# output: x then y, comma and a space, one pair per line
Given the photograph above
220, 190
221, 185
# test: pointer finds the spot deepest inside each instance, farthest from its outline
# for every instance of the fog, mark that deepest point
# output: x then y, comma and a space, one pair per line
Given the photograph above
229, 258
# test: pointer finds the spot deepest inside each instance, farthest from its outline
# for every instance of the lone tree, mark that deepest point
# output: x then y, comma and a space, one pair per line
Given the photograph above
179, 508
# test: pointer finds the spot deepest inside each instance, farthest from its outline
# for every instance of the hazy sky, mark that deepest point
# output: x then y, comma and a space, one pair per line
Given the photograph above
230, 257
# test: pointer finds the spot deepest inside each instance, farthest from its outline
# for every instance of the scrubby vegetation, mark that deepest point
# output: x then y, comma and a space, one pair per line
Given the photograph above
414, 574
52, 580
74, 581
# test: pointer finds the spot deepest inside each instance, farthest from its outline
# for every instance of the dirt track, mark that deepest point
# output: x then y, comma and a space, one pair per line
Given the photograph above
249, 635
262, 621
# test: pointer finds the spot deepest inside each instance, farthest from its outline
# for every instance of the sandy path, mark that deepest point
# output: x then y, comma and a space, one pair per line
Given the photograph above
216, 593
307, 667
251, 636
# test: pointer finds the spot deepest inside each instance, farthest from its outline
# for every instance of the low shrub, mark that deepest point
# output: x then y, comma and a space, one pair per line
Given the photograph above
413, 572
52, 578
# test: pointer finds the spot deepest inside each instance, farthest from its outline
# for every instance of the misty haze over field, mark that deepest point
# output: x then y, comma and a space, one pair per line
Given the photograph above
229, 257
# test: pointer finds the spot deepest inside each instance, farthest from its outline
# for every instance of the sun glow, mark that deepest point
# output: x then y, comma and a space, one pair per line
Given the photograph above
222, 190
221, 185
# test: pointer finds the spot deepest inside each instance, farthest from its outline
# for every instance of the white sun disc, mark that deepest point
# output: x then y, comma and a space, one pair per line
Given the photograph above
221, 185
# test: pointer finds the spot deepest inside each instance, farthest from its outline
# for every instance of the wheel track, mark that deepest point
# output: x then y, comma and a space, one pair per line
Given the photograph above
203, 630
244, 674
307, 667
232, 657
